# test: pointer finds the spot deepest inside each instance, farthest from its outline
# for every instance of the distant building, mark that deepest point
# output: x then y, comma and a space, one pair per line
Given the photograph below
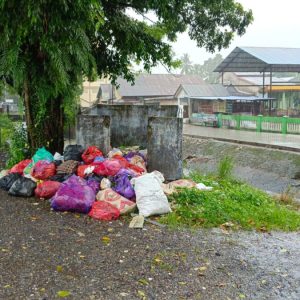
148, 88
215, 98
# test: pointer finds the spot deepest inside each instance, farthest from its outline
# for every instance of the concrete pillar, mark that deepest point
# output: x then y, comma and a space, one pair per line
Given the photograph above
164, 141
93, 131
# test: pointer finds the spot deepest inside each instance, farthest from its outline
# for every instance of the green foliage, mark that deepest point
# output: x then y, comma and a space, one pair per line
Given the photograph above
18, 148
225, 167
230, 202
48, 47
5, 130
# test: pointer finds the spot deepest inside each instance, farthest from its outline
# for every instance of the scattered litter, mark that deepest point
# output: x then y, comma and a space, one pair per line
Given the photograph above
203, 187
4, 173
171, 187
137, 222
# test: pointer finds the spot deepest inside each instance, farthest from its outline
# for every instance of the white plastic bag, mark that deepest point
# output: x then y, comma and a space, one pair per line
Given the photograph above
150, 198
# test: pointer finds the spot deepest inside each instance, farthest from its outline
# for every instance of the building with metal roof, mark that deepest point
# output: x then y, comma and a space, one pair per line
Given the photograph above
258, 65
261, 59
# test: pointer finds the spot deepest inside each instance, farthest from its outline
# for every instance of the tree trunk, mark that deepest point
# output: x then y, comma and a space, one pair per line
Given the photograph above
54, 126
50, 132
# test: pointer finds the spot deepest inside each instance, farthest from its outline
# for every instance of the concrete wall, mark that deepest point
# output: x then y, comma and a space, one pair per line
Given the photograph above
93, 130
164, 138
129, 122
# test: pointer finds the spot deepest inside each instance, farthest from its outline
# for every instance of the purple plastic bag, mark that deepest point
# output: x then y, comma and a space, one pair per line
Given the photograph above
122, 184
131, 154
94, 184
73, 195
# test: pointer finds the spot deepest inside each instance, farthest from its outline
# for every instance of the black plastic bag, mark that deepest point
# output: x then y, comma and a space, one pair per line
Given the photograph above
7, 181
58, 162
60, 177
22, 187
94, 176
73, 152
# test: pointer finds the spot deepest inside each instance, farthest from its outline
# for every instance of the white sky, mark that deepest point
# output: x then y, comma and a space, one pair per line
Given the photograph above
276, 24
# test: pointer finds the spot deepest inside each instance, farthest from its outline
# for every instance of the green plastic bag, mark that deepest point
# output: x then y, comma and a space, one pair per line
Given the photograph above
27, 170
42, 154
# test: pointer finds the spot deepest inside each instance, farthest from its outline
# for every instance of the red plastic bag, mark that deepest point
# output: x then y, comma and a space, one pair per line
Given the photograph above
81, 169
122, 160
108, 168
43, 169
104, 211
19, 167
47, 189
90, 154
136, 169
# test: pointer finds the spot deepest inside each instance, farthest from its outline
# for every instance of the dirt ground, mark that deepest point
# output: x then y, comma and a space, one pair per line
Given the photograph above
43, 253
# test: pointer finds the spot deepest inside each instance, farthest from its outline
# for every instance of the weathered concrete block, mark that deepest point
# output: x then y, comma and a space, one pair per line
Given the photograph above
129, 122
93, 130
165, 146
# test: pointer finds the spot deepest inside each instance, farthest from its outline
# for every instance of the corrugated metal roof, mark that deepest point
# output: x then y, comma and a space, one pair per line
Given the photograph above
155, 84
259, 59
212, 90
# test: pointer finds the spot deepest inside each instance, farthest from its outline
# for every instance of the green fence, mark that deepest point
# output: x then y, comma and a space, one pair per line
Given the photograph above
260, 123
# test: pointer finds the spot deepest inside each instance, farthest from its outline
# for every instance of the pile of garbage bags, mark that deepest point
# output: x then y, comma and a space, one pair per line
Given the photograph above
86, 181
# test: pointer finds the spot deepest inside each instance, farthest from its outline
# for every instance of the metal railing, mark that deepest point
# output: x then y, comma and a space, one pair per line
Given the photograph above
260, 123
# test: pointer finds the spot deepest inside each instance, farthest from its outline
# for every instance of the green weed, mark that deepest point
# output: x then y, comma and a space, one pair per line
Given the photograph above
225, 167
229, 202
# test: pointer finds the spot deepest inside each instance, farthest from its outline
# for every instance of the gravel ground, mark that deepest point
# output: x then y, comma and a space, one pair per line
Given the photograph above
43, 252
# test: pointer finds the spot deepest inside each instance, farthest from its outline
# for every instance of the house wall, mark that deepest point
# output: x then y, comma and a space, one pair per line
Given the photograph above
231, 78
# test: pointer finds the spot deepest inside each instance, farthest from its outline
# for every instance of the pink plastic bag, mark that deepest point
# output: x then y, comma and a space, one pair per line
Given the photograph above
108, 168
73, 195
43, 169
104, 211
47, 189
19, 167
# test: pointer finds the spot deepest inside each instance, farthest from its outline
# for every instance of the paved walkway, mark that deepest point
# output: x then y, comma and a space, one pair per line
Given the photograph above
274, 140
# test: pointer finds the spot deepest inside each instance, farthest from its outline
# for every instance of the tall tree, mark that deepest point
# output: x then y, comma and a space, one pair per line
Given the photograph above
206, 70
46, 47
186, 64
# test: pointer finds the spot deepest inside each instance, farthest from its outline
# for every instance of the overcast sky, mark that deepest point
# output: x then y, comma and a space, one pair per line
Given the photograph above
276, 24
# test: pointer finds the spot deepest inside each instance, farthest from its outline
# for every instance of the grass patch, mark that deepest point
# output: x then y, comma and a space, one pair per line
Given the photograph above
232, 202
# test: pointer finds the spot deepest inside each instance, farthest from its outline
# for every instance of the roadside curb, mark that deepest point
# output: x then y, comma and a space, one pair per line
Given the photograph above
277, 147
